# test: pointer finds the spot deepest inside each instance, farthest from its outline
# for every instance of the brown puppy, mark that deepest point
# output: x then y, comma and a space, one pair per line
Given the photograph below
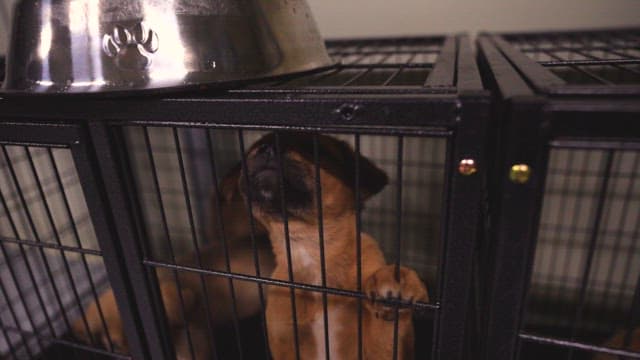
617, 342
195, 302
337, 177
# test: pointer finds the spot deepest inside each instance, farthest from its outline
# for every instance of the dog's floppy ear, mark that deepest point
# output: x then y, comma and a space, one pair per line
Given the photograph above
371, 179
228, 188
229, 185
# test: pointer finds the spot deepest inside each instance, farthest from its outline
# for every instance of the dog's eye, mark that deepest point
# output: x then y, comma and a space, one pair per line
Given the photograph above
263, 148
334, 155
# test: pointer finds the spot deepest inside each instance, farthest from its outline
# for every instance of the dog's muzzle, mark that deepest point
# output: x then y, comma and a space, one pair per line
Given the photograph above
267, 179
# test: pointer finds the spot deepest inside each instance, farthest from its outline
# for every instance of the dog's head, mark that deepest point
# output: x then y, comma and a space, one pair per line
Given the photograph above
286, 164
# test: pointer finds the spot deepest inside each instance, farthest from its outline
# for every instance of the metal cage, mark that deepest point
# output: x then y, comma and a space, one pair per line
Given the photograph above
564, 272
108, 193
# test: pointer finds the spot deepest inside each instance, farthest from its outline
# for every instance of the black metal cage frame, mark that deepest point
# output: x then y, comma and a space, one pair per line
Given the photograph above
448, 102
553, 92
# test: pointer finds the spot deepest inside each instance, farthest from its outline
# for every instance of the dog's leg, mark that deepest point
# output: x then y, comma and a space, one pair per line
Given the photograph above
617, 341
200, 343
379, 320
280, 325
219, 297
176, 303
111, 316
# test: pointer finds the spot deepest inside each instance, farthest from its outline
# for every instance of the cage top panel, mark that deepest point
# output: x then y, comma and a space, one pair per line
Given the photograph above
391, 65
601, 62
410, 81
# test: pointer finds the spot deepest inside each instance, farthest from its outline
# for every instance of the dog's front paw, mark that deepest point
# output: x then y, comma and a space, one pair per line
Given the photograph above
384, 287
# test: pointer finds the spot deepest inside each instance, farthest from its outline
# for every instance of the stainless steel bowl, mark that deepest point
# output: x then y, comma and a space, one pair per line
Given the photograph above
88, 46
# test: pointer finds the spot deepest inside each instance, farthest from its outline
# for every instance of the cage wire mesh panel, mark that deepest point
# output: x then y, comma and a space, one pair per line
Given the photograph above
422, 183
174, 170
599, 58
51, 266
179, 176
385, 63
587, 262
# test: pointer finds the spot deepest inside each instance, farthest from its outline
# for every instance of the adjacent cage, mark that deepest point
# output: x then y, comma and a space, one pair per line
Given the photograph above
565, 196
152, 188
57, 247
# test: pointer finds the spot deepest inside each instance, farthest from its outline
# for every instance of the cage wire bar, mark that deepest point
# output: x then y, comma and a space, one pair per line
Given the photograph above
564, 270
415, 106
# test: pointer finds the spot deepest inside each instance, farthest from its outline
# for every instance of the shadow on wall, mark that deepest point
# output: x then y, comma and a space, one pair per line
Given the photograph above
5, 26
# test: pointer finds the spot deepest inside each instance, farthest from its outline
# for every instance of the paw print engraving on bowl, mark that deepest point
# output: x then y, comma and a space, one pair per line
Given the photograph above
131, 47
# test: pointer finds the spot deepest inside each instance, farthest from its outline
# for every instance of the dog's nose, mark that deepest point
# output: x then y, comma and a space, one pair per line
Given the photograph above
266, 150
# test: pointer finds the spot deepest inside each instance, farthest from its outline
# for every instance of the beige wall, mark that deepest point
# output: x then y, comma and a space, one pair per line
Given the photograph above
340, 18
343, 18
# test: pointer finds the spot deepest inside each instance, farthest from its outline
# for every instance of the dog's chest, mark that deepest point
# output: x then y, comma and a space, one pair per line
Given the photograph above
306, 265
303, 258
335, 323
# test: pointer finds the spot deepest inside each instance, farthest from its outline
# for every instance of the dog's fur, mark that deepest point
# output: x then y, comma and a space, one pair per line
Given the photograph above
237, 233
617, 342
288, 163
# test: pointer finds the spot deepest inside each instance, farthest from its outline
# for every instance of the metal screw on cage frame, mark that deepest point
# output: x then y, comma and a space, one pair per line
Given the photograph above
467, 167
